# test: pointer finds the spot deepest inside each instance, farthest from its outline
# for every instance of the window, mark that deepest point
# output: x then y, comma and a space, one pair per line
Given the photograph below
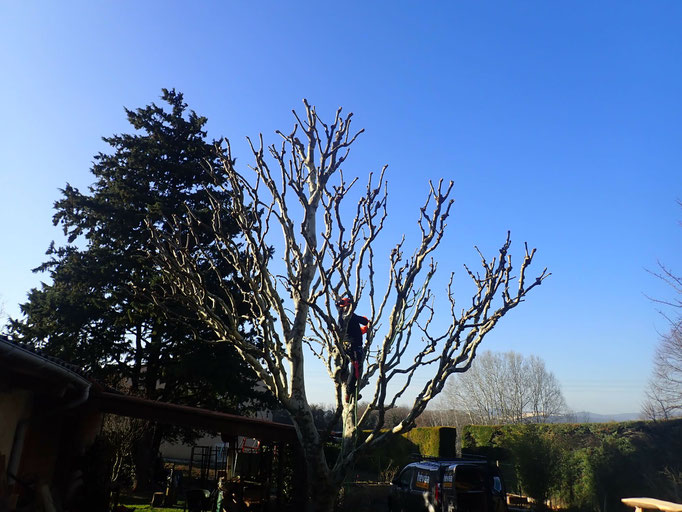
469, 479
406, 477
497, 485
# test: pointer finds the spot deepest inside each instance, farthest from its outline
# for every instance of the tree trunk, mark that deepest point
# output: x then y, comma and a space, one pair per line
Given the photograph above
321, 485
322, 495
320, 491
324, 486
145, 457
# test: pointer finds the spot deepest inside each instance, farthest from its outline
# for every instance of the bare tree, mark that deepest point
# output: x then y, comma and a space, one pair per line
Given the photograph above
505, 388
3, 312
121, 433
664, 394
673, 280
546, 398
327, 245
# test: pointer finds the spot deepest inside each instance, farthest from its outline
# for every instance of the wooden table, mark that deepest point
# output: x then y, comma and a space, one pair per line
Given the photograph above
641, 504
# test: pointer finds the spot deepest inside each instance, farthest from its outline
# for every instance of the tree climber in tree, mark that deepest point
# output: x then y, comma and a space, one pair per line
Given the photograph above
356, 327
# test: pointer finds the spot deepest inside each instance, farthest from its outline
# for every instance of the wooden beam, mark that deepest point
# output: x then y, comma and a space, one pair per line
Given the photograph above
173, 414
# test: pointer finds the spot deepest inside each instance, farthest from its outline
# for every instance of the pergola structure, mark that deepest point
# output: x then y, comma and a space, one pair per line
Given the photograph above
51, 412
230, 426
163, 412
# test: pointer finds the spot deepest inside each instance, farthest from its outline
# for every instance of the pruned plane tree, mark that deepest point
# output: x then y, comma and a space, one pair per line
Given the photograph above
296, 203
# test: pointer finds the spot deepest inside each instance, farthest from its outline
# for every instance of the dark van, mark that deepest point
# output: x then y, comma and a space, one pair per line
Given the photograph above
460, 485
471, 487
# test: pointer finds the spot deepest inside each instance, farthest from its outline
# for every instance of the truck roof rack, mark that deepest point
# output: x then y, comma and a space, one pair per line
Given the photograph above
465, 456
473, 456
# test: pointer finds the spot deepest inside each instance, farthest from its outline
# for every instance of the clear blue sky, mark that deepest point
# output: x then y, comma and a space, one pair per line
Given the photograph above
557, 120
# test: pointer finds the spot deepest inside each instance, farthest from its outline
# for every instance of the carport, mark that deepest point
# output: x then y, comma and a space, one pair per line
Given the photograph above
51, 412
230, 426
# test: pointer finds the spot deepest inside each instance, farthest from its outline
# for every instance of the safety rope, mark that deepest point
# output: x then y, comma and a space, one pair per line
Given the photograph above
355, 408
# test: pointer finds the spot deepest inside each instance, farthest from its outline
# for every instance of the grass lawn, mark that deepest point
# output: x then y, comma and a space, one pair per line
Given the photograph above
150, 508
142, 502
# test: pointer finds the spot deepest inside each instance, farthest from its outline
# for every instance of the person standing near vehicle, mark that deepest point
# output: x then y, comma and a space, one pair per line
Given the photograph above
356, 326
221, 491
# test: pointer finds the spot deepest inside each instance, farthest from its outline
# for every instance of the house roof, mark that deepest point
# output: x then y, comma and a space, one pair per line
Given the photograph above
35, 369
32, 368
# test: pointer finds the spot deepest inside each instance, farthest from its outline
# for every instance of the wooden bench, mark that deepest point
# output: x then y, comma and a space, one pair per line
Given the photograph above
641, 504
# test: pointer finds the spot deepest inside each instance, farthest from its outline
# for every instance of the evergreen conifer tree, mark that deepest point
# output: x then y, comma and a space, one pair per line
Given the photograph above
105, 308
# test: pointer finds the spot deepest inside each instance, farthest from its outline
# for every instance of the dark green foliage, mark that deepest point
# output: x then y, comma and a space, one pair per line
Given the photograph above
536, 461
398, 451
106, 309
585, 466
612, 472
664, 472
484, 441
582, 467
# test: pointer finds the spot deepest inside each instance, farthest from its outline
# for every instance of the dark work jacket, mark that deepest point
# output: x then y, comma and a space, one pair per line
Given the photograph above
353, 332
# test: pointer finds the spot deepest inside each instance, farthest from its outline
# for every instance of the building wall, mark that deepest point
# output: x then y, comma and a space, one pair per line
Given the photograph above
181, 451
56, 440
41, 449
14, 405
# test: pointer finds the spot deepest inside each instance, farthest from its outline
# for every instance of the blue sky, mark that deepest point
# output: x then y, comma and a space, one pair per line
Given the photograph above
557, 120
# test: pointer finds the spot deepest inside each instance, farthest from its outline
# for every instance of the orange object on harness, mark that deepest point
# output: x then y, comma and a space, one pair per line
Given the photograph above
364, 328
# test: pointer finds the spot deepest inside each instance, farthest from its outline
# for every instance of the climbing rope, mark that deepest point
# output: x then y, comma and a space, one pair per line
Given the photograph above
355, 408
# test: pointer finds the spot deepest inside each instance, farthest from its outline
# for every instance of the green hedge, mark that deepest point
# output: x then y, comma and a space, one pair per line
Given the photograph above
585, 466
434, 441
405, 448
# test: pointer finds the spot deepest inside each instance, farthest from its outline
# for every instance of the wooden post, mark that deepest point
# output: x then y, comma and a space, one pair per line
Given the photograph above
230, 468
300, 482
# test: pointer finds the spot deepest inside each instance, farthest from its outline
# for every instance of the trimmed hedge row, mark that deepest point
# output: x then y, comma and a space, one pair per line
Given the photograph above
585, 466
434, 441
400, 450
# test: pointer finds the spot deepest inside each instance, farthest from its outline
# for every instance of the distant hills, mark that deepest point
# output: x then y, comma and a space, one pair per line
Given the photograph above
591, 417
456, 417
